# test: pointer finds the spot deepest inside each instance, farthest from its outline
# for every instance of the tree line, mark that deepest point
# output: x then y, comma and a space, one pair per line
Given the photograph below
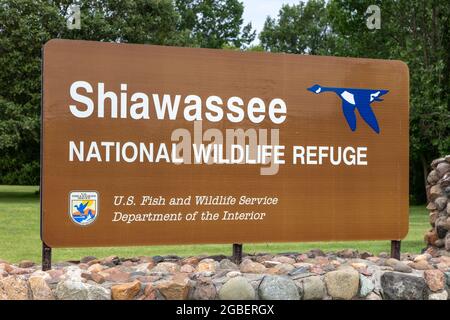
414, 31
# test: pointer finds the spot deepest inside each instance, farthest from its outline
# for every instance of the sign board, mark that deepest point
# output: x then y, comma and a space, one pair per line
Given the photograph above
146, 145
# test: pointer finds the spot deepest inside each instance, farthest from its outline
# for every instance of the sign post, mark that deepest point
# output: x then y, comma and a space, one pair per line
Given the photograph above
237, 253
395, 249
46, 257
152, 145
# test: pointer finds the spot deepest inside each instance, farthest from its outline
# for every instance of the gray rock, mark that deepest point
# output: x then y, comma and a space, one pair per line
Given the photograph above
166, 267
443, 168
441, 232
342, 283
278, 288
228, 265
72, 273
237, 288
76, 290
98, 293
366, 254
440, 203
390, 262
435, 192
71, 290
248, 266
283, 268
436, 162
443, 295
88, 259
402, 267
204, 290
447, 242
433, 177
233, 274
157, 259
447, 192
315, 253
299, 270
348, 253
143, 267
313, 288
400, 286
366, 286
373, 296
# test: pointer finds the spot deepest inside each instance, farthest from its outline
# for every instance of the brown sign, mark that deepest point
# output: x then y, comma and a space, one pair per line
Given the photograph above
162, 145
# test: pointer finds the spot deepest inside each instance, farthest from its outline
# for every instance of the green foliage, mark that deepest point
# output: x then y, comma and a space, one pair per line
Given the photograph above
414, 31
25, 25
302, 28
215, 23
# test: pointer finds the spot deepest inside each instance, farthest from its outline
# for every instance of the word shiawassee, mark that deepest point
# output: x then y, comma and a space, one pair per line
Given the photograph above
137, 105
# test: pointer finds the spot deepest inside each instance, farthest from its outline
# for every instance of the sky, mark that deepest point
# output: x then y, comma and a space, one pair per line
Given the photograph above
256, 11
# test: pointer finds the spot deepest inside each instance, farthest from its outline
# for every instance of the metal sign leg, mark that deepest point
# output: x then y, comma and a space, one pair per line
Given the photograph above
237, 253
46, 257
395, 249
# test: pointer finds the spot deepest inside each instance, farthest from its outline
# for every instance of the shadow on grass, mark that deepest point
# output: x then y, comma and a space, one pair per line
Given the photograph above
18, 193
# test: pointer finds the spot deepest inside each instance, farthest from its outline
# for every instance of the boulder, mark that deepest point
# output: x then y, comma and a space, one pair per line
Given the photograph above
40, 289
14, 288
237, 288
207, 265
204, 290
283, 268
435, 192
77, 290
435, 279
440, 203
443, 295
248, 266
313, 288
26, 264
284, 259
342, 283
176, 288
227, 264
278, 288
187, 268
442, 168
125, 291
366, 286
402, 267
401, 286
166, 267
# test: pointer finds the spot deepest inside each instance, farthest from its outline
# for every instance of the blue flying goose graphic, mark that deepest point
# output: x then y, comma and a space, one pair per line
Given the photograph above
355, 98
81, 207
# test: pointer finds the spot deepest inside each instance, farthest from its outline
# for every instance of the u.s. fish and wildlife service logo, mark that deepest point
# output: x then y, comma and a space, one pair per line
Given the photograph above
83, 207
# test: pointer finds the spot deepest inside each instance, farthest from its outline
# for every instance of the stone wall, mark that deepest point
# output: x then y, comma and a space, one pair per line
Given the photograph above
438, 193
346, 274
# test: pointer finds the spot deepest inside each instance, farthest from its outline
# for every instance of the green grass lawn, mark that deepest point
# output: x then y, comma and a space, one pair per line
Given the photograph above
19, 235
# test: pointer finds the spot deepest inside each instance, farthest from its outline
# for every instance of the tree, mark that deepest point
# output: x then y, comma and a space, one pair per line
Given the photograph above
25, 26
420, 37
414, 31
215, 23
302, 28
